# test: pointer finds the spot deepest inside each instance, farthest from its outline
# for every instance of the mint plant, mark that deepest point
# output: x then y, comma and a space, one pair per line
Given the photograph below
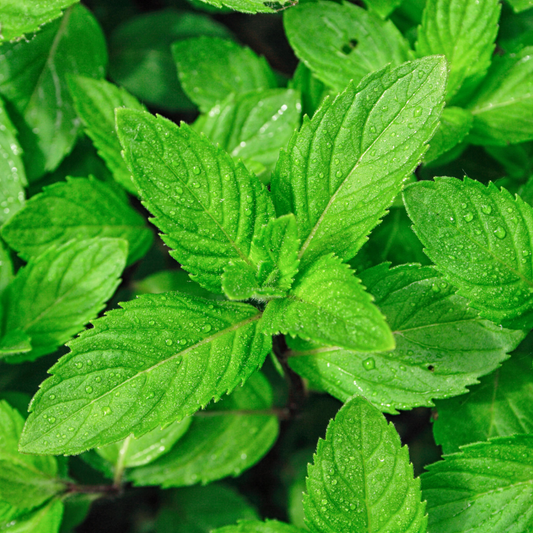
213, 270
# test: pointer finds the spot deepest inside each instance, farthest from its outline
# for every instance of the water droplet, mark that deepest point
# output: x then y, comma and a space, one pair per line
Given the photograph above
435, 287
52, 419
107, 411
78, 365
417, 112
500, 232
207, 328
88, 389
52, 396
151, 323
179, 190
369, 364
168, 342
196, 171
487, 209
97, 379
468, 217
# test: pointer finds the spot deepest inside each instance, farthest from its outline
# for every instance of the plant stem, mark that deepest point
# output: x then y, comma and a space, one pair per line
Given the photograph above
119, 468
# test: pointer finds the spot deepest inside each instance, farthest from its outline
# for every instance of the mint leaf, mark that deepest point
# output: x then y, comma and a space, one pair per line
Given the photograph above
342, 42
25, 16
141, 58
480, 239
254, 126
226, 68
33, 80
201, 509
46, 519
12, 173
313, 91
228, 439
342, 170
252, 526
15, 342
58, 292
361, 479
95, 102
26, 481
328, 304
6, 267
153, 362
245, 6
442, 346
520, 5
455, 123
132, 452
76, 209
503, 107
464, 32
501, 405
485, 487
208, 206
383, 8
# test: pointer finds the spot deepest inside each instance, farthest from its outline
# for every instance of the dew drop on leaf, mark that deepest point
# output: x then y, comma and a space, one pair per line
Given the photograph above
369, 364
469, 217
418, 111
500, 232
487, 209
168, 342
107, 411
88, 389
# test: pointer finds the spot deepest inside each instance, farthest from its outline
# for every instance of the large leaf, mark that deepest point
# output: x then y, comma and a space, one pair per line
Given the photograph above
12, 173
503, 108
208, 206
252, 526
33, 80
345, 166
441, 345
46, 519
501, 405
76, 209
26, 16
328, 304
480, 239
361, 479
26, 481
342, 42
254, 126
95, 102
58, 292
486, 488
228, 439
153, 362
225, 68
464, 32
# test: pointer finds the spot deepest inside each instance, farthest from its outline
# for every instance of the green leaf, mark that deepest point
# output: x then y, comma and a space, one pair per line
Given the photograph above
361, 479
33, 81
153, 362
480, 239
342, 42
58, 292
464, 32
383, 8
208, 207
95, 102
441, 345
79, 208
254, 126
328, 304
484, 488
455, 123
15, 342
246, 6
132, 452
225, 68
26, 481
275, 252
252, 526
6, 267
12, 173
201, 509
503, 108
46, 519
516, 30
520, 5
313, 91
501, 405
223, 441
141, 59
342, 170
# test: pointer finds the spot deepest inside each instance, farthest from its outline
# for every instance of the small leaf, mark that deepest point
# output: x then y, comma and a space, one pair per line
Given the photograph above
153, 362
342, 42
95, 102
464, 32
503, 108
33, 75
484, 488
12, 173
342, 170
14, 342
252, 526
361, 479
77, 209
26, 481
328, 304
58, 292
442, 346
208, 206
218, 444
132, 452
225, 68
46, 519
501, 405
6, 268
480, 239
